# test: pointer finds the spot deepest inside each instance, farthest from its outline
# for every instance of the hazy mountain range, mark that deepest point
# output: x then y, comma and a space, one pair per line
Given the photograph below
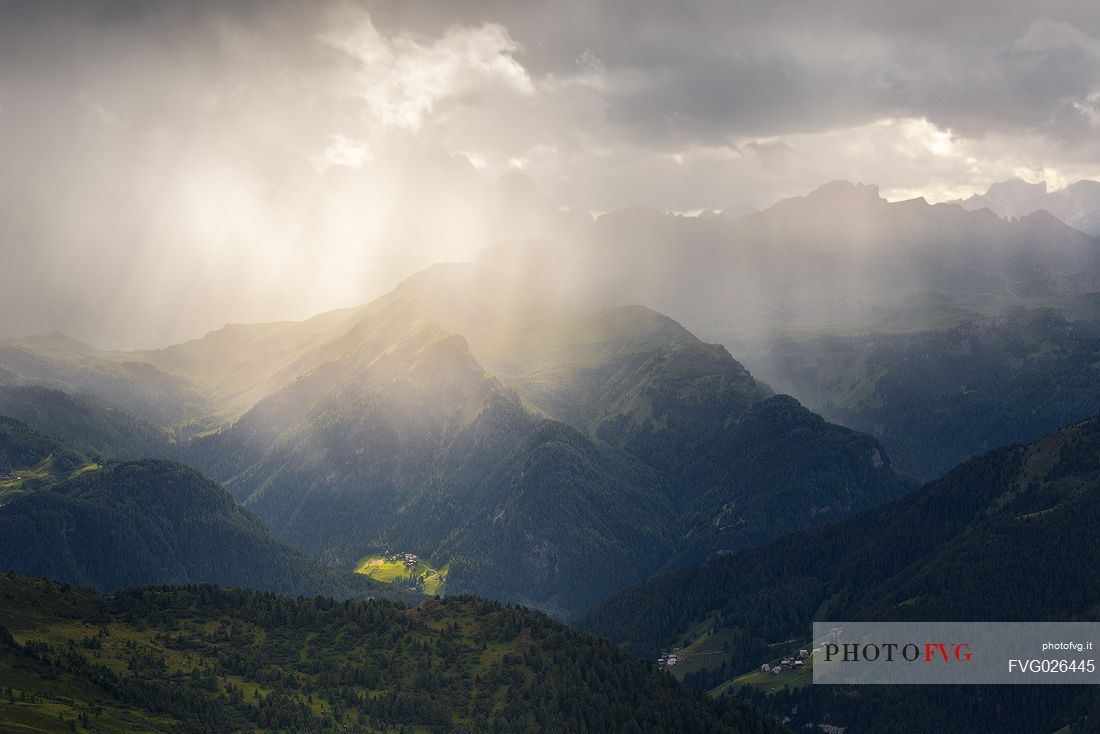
512, 421
839, 260
936, 398
1078, 204
526, 426
542, 453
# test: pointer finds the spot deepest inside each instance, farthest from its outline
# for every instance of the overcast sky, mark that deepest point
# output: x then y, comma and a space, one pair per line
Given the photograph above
168, 167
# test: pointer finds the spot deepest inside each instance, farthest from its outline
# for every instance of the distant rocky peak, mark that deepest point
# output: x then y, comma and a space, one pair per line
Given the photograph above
843, 192
1016, 187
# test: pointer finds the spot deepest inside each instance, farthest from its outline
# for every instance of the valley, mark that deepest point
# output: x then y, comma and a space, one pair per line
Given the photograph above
41, 473
29, 461
936, 398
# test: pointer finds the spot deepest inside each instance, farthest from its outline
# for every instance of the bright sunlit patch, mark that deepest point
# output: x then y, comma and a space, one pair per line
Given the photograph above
403, 78
344, 151
921, 137
941, 144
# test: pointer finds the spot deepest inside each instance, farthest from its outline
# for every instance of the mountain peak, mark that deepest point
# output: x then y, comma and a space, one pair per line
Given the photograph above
1085, 187
1016, 187
830, 200
846, 192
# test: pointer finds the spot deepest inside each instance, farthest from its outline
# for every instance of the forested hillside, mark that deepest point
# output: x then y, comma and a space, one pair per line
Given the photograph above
83, 423
203, 659
24, 448
1006, 536
116, 524
936, 398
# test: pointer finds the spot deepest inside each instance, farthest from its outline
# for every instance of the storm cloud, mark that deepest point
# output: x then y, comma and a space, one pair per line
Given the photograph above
171, 166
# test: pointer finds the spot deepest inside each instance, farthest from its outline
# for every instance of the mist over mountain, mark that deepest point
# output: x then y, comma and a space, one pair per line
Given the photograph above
537, 450
936, 398
84, 422
1077, 204
58, 362
542, 455
515, 422
839, 260
411, 423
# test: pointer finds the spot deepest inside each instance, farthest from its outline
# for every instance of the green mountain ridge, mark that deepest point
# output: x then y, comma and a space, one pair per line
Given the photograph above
214, 660
149, 521
23, 448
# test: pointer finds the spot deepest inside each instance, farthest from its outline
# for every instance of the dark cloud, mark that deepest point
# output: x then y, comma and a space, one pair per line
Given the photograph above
712, 70
149, 146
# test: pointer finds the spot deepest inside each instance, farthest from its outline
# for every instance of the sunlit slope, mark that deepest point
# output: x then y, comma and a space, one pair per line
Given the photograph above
1005, 536
240, 364
142, 522
207, 659
418, 575
551, 456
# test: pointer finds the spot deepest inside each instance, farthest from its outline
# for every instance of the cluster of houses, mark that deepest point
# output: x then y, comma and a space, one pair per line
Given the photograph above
668, 659
409, 559
787, 663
